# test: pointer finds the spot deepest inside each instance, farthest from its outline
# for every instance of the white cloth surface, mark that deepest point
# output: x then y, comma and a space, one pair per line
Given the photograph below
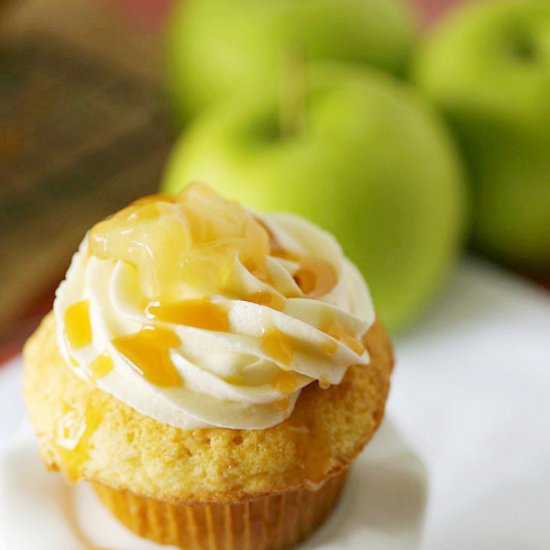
382, 505
472, 396
11, 401
468, 427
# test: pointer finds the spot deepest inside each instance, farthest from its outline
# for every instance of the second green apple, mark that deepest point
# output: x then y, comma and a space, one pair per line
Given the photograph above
215, 48
488, 68
359, 154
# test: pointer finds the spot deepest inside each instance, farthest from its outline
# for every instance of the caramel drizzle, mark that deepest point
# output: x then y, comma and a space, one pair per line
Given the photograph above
73, 439
278, 346
148, 353
199, 313
333, 328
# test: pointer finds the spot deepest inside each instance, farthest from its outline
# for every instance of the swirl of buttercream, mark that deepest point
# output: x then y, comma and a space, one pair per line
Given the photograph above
235, 344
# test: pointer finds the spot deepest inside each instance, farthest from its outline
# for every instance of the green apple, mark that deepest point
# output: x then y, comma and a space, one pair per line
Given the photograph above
216, 47
488, 67
365, 158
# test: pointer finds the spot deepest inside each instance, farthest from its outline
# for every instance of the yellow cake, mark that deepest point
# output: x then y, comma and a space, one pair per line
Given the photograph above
259, 474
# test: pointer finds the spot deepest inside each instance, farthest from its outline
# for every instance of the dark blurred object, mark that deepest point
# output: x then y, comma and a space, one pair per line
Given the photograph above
80, 136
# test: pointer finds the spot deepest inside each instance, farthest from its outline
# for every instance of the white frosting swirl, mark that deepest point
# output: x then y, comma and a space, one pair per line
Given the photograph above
227, 376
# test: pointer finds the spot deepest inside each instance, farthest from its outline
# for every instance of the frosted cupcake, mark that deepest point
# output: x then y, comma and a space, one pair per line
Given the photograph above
212, 372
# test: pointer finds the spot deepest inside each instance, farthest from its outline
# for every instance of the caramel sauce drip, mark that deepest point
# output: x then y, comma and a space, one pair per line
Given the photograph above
77, 324
73, 434
100, 367
199, 313
324, 383
277, 345
313, 454
267, 298
336, 330
148, 353
285, 382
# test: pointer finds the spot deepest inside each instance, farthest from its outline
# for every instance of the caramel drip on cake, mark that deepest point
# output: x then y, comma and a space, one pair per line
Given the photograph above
73, 435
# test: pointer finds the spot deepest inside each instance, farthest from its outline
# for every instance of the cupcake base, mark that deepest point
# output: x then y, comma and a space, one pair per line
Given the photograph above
271, 522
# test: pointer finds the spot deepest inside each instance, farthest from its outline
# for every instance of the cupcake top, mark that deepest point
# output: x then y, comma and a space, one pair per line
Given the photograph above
199, 313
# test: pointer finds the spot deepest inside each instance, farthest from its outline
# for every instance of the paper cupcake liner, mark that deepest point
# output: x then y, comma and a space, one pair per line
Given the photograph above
271, 522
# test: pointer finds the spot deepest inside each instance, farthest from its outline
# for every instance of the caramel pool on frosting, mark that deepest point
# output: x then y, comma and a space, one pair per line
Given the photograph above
101, 366
148, 351
278, 346
78, 329
197, 313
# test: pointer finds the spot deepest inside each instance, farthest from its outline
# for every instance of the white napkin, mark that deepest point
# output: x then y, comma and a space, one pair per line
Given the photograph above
469, 425
382, 506
472, 395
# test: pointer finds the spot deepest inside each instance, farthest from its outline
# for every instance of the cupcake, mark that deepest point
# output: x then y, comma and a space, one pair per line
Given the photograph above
212, 372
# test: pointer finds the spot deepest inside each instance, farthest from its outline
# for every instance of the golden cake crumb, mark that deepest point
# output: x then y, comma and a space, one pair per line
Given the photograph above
129, 451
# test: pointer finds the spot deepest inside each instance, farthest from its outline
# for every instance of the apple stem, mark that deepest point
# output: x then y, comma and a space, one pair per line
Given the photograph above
292, 93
